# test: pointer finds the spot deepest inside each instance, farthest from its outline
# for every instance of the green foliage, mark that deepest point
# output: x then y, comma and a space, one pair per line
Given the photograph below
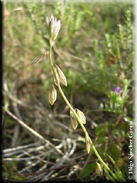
100, 130
113, 151
116, 101
118, 172
8, 170
87, 170
107, 145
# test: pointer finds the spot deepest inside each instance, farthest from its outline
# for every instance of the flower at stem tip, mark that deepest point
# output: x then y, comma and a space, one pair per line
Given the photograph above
118, 90
54, 27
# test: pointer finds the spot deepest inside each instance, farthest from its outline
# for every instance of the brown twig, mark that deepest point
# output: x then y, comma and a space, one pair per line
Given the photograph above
57, 168
34, 132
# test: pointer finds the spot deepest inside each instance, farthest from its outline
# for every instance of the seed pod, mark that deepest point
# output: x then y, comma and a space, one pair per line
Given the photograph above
81, 116
38, 58
61, 76
73, 120
52, 95
88, 146
56, 80
99, 170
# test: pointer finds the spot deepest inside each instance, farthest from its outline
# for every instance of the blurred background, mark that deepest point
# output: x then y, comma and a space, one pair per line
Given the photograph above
95, 50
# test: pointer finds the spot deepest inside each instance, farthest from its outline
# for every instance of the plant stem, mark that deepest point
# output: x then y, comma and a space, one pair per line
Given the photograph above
80, 123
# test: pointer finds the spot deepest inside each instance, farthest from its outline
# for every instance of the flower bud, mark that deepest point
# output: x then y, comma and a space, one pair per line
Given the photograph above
61, 76
99, 170
54, 27
88, 146
52, 24
52, 95
81, 116
57, 28
47, 21
118, 90
73, 120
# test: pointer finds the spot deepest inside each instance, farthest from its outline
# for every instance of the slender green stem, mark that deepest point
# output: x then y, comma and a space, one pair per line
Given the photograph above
80, 123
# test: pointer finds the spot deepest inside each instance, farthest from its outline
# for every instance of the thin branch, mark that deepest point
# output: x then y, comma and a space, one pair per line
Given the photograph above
19, 102
20, 147
34, 132
71, 143
40, 148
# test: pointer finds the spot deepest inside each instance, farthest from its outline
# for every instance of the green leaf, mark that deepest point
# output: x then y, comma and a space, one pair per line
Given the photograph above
88, 168
111, 159
118, 172
115, 132
113, 151
20, 177
100, 130
101, 140
108, 176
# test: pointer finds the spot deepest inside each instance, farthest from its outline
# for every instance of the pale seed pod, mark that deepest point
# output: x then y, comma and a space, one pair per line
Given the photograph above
99, 170
81, 116
61, 76
39, 58
73, 120
52, 95
88, 146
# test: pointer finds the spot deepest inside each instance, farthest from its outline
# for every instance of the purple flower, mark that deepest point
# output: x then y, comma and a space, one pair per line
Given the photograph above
118, 90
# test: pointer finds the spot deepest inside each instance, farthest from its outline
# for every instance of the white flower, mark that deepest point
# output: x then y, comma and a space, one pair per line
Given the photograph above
54, 26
